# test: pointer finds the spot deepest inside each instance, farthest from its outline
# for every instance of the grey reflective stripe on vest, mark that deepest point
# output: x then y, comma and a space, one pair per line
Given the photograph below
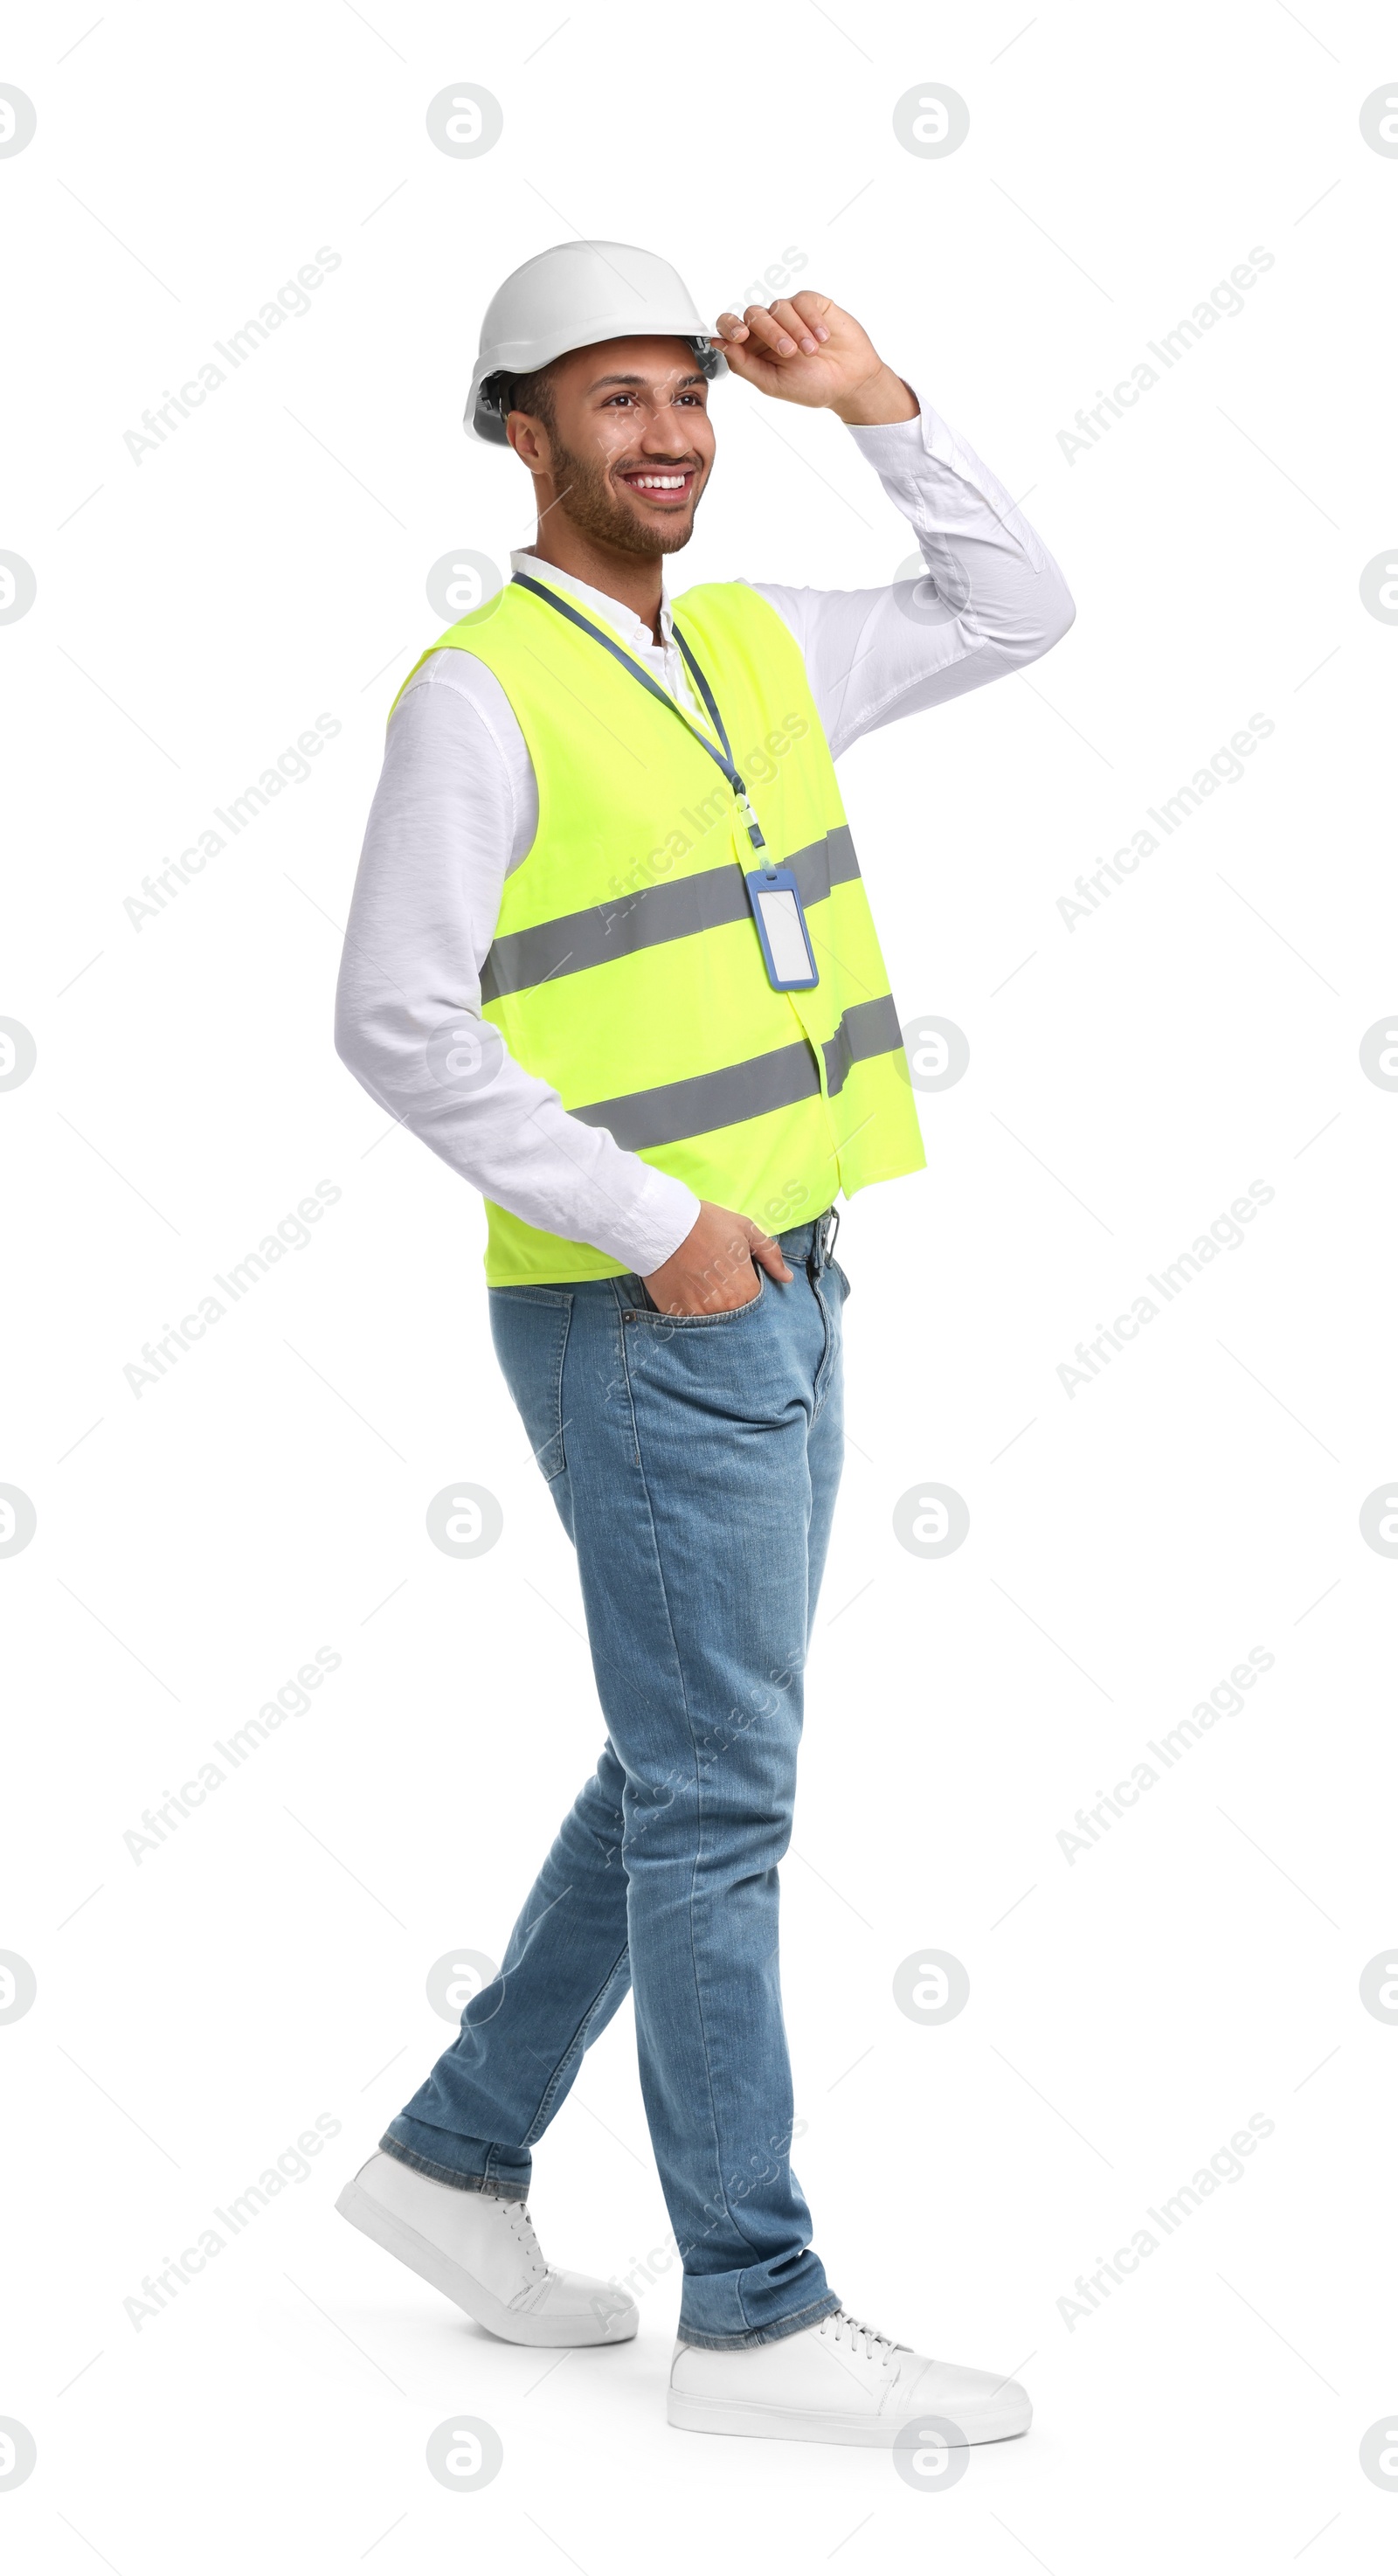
868, 1028
676, 1110
652, 917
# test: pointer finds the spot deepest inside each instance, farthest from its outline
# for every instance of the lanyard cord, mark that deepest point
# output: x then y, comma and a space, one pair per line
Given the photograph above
724, 758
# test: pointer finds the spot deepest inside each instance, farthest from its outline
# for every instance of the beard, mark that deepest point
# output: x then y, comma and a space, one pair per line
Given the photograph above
588, 498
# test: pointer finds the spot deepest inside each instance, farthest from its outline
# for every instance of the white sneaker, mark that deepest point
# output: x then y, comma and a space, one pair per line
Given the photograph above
483, 2252
839, 2382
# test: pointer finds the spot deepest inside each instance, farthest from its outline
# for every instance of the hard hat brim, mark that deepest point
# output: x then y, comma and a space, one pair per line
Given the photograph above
482, 420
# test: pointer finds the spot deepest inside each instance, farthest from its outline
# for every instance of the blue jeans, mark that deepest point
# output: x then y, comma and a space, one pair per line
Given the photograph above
694, 1461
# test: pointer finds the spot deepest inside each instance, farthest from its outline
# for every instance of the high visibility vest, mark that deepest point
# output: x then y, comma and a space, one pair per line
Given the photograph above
626, 968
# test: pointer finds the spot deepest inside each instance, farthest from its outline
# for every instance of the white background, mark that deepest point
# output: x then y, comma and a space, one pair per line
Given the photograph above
1128, 1079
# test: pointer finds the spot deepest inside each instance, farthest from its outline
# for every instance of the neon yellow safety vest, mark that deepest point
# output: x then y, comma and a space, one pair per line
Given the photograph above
626, 969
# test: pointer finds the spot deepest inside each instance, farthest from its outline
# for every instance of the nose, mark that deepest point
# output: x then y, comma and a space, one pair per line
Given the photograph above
669, 431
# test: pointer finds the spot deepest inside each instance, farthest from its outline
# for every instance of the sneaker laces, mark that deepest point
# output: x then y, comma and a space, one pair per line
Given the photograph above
517, 2218
864, 2340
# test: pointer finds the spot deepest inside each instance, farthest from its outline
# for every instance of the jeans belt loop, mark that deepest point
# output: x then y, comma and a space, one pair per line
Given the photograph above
823, 1235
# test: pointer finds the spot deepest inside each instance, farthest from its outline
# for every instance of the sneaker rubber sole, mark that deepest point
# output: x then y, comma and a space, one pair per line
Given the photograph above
993, 2422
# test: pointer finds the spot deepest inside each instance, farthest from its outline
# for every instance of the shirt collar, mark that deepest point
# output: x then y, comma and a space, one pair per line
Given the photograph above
623, 621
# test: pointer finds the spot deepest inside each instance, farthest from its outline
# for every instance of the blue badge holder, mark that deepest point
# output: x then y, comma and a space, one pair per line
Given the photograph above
780, 921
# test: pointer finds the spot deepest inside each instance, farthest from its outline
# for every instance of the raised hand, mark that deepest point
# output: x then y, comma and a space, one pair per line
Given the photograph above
805, 349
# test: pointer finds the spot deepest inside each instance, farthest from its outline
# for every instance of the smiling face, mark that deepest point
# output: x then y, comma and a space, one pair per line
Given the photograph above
627, 446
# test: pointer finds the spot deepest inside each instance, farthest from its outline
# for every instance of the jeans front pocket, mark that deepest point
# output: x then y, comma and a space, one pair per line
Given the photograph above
656, 1316
529, 1327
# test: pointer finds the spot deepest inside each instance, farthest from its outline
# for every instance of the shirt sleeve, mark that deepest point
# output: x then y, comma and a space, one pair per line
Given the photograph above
990, 598
453, 811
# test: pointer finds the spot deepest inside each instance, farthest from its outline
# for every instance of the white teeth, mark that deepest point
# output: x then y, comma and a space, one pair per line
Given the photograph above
658, 482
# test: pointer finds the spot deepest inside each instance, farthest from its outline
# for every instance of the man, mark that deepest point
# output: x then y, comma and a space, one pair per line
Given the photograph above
611, 957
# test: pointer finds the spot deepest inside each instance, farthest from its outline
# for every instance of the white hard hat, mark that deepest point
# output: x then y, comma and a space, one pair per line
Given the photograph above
570, 298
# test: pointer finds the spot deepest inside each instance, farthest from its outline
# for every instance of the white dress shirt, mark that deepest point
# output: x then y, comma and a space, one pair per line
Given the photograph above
456, 811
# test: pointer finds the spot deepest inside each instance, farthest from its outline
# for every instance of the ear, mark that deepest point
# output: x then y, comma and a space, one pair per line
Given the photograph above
529, 442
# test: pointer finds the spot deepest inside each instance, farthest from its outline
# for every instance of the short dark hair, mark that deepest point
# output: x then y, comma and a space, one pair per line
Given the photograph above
533, 394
